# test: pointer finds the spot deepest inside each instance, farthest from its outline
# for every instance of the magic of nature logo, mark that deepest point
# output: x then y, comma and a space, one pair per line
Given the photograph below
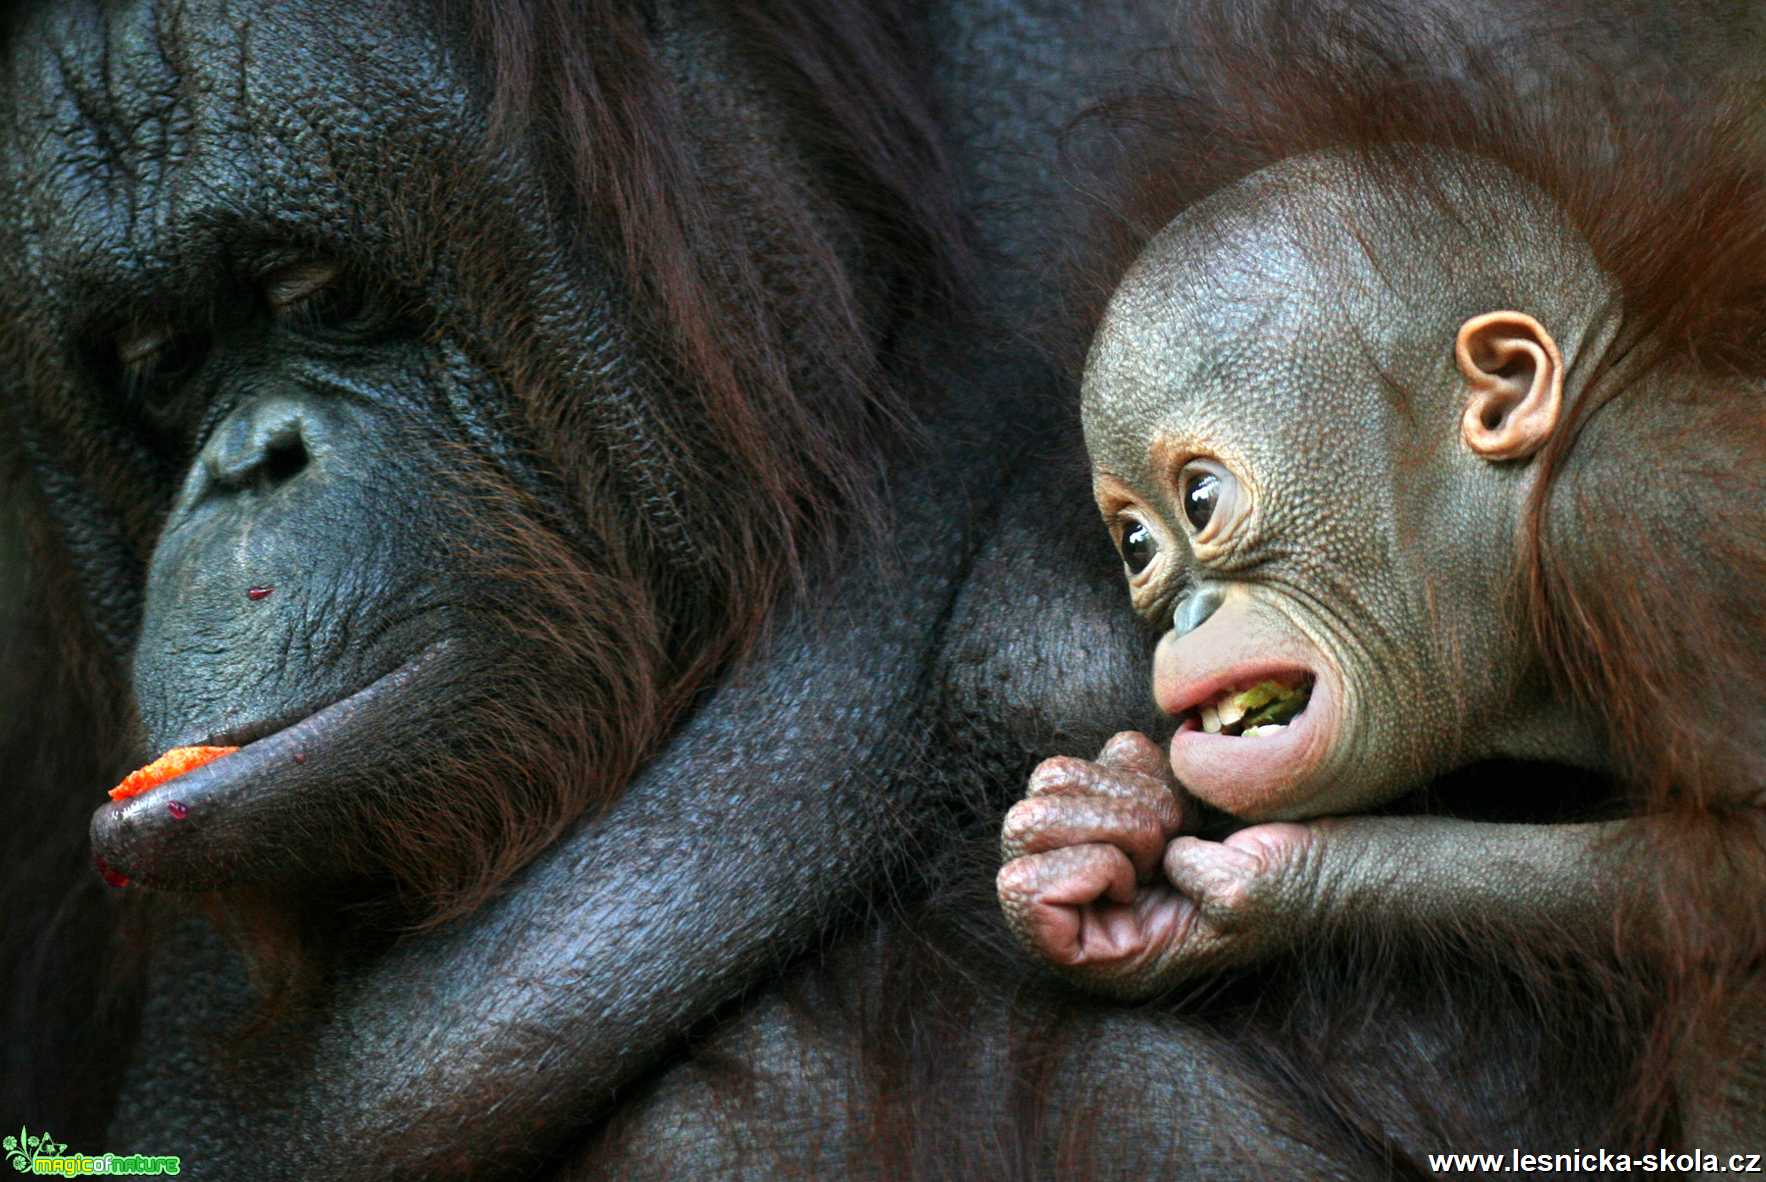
41, 1154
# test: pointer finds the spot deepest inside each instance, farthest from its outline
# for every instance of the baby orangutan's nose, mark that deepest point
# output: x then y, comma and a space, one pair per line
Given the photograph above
1194, 611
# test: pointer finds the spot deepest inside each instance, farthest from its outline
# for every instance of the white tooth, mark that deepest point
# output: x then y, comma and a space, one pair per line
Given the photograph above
1210, 720
1229, 709
1268, 728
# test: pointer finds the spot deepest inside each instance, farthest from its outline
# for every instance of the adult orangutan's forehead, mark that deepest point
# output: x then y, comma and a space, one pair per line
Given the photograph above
137, 127
144, 79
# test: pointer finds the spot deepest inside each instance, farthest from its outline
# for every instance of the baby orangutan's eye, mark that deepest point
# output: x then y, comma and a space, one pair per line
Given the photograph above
1138, 547
1210, 496
1201, 494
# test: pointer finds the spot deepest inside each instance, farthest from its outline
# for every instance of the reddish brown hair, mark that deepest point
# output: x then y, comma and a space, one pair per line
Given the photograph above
1659, 633
771, 314
743, 398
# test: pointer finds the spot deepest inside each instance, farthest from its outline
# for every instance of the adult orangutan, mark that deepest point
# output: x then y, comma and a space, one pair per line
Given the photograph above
435, 462
438, 402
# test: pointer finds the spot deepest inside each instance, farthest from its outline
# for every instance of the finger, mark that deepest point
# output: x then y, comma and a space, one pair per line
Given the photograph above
1043, 895
1065, 775
1044, 823
1131, 751
1109, 932
1216, 876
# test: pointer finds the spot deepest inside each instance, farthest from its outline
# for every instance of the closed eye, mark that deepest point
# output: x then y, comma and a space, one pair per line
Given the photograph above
290, 287
323, 296
154, 367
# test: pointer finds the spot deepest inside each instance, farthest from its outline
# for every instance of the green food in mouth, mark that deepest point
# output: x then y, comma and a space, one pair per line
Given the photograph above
1258, 710
1269, 702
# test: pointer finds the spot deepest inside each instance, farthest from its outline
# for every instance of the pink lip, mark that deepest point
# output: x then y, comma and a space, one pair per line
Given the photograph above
1260, 778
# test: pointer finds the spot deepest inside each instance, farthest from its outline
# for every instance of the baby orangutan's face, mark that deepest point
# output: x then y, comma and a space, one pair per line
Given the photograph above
1263, 687
1328, 569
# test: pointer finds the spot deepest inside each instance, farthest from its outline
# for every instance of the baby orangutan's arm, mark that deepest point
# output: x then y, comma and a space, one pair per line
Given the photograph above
1097, 881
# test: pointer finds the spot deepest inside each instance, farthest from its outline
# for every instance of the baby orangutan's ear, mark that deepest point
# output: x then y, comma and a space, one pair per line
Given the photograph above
1515, 375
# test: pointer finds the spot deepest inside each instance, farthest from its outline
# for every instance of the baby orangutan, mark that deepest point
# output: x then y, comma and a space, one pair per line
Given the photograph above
1330, 412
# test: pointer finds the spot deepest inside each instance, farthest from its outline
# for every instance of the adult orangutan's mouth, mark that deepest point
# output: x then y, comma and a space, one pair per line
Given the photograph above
188, 832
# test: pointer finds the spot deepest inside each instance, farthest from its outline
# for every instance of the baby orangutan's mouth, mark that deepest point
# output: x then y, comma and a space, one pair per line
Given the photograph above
1257, 710
1252, 735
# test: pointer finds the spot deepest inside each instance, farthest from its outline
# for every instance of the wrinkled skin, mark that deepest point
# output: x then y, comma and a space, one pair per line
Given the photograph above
291, 444
1372, 554
495, 1046
308, 442
1103, 882
1337, 540
222, 298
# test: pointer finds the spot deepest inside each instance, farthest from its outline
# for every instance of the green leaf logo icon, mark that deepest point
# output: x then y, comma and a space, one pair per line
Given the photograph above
24, 1148
15, 1153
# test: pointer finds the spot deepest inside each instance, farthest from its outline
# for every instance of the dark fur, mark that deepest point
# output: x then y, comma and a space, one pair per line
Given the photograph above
698, 509
767, 449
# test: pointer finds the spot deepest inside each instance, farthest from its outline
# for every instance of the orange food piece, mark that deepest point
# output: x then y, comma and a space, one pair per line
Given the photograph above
169, 766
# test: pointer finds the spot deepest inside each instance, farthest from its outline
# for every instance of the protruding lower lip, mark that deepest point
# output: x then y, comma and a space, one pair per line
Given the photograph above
199, 831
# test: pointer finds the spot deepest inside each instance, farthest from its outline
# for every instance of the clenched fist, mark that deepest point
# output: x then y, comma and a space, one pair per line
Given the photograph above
1098, 880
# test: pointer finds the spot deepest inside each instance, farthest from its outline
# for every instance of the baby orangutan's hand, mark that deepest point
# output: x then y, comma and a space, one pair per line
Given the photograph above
1097, 882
